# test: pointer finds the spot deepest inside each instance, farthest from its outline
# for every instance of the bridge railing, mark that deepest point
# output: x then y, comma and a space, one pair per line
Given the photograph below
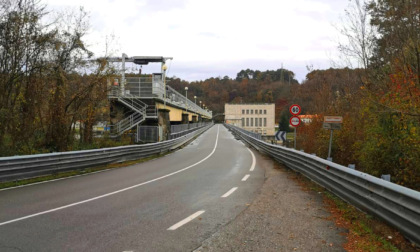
29, 166
183, 129
178, 99
153, 88
395, 204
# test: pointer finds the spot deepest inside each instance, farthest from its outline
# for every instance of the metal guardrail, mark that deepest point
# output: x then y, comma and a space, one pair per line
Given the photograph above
395, 204
28, 166
183, 129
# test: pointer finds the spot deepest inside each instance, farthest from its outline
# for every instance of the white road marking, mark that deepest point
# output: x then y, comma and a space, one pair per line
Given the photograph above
253, 160
229, 192
186, 220
246, 177
115, 192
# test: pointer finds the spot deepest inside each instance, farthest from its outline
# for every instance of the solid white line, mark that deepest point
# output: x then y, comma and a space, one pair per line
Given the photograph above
115, 192
246, 177
229, 192
186, 220
253, 160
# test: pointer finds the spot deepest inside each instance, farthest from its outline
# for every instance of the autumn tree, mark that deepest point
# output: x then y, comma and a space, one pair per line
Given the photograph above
392, 91
23, 49
43, 90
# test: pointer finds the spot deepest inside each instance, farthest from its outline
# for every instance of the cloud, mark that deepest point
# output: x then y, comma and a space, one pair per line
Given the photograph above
218, 37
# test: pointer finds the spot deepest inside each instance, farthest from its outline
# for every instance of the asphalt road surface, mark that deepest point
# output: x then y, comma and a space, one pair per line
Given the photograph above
173, 203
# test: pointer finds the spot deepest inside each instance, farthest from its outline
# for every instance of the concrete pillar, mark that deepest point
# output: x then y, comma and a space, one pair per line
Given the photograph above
194, 118
165, 123
185, 118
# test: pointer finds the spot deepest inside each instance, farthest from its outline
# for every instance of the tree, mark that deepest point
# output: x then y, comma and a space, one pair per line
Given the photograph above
67, 54
23, 47
359, 34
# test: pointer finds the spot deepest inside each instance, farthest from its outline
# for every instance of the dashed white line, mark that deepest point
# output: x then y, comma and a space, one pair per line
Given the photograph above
186, 220
114, 192
253, 160
229, 192
246, 177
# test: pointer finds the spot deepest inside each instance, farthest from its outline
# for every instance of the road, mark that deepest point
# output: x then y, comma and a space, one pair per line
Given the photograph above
172, 203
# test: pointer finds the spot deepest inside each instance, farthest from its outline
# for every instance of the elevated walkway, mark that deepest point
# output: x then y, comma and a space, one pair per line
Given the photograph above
143, 97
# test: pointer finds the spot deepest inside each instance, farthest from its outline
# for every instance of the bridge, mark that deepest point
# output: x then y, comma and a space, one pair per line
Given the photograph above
216, 193
147, 101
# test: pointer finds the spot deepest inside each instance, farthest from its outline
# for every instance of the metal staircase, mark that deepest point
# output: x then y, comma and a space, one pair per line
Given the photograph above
127, 123
141, 112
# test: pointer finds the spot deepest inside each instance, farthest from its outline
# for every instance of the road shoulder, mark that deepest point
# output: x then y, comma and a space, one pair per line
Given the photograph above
283, 217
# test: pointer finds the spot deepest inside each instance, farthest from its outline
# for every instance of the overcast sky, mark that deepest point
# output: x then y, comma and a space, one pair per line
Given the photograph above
211, 38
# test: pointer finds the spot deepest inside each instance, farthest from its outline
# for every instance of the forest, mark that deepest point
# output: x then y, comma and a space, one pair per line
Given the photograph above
49, 79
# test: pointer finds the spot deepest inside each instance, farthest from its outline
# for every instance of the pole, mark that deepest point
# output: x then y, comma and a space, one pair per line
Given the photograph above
186, 93
329, 148
164, 84
295, 138
123, 74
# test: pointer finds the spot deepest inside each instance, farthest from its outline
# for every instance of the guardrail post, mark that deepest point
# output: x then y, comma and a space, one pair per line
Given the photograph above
386, 177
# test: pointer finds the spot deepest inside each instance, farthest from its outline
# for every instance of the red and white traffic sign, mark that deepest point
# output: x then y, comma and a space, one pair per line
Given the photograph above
295, 109
294, 121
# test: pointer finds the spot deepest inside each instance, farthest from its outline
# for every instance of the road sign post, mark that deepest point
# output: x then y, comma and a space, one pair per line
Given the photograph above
332, 123
329, 147
295, 120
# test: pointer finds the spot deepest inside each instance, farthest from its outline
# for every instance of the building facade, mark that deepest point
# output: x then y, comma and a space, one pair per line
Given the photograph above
258, 118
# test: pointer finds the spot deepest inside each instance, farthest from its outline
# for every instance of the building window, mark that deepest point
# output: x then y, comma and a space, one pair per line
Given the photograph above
243, 122
265, 122
247, 122
247, 111
265, 111
256, 122
252, 121
256, 111
243, 111
260, 122
252, 111
260, 111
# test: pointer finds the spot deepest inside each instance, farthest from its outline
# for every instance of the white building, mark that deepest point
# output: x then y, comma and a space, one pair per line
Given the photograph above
258, 118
